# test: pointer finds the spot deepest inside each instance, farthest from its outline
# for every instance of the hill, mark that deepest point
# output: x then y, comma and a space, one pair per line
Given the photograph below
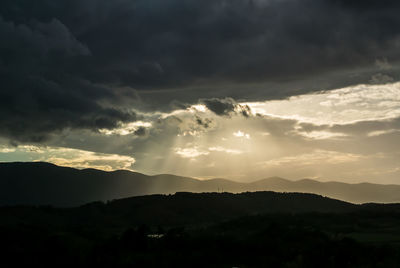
256, 229
180, 209
38, 183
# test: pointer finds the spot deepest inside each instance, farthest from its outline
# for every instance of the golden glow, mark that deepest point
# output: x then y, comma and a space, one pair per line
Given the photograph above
72, 157
346, 134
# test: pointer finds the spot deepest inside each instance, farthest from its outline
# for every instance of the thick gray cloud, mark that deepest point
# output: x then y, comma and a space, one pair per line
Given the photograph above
226, 107
220, 106
37, 97
141, 131
63, 64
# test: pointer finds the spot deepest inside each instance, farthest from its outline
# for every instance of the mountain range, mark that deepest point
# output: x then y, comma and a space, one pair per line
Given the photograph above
40, 183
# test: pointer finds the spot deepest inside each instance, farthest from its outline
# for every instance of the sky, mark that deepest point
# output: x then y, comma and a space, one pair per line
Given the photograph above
239, 89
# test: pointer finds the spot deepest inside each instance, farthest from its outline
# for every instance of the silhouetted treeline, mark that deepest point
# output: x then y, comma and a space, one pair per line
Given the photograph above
178, 209
263, 229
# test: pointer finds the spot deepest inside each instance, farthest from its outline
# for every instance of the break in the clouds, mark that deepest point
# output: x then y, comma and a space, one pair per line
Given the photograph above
239, 88
66, 157
353, 140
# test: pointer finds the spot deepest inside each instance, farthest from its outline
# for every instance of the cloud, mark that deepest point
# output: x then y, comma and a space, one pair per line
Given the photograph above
6, 149
382, 132
316, 157
190, 152
39, 96
241, 134
141, 131
77, 58
381, 79
204, 122
173, 80
321, 135
137, 128
226, 107
39, 40
68, 157
220, 106
383, 64
224, 150
362, 102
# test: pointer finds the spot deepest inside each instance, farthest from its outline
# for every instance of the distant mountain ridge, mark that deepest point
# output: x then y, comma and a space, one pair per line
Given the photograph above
40, 183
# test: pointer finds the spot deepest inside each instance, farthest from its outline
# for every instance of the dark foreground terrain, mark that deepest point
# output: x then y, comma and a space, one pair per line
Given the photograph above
260, 229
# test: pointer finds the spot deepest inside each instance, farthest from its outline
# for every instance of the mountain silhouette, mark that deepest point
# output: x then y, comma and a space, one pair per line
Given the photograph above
40, 183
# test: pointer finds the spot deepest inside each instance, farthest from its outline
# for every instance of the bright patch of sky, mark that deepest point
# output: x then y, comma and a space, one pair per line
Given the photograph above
340, 106
66, 157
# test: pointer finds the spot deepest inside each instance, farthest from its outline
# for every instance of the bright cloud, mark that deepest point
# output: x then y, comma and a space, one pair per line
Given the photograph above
314, 158
190, 152
225, 150
5, 149
382, 132
340, 106
321, 135
126, 129
241, 134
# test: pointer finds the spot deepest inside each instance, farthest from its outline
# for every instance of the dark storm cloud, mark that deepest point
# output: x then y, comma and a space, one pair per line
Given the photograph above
38, 97
226, 107
220, 106
141, 131
61, 61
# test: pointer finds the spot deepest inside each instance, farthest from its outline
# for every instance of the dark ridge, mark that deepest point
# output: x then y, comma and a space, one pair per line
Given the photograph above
182, 208
40, 183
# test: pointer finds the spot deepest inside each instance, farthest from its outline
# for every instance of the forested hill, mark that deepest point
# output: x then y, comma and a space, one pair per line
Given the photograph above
38, 183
